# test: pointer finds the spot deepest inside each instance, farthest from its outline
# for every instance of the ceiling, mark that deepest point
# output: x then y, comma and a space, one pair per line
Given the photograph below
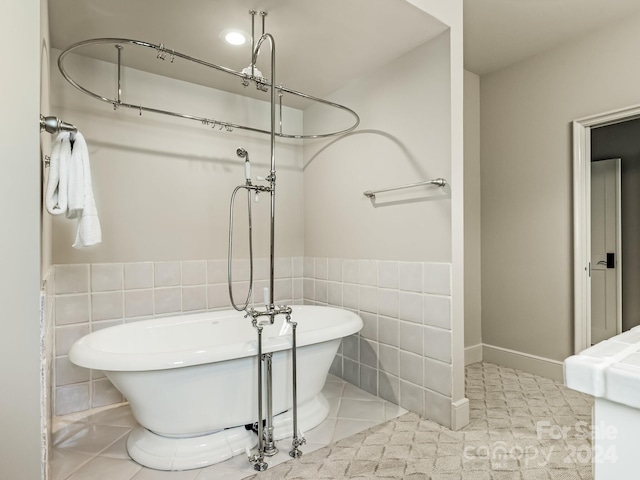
322, 44
498, 33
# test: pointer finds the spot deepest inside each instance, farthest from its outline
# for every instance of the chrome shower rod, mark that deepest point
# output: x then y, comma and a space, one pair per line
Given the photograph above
162, 52
440, 182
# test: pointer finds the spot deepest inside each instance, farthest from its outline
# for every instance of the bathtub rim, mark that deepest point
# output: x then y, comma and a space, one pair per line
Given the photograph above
83, 352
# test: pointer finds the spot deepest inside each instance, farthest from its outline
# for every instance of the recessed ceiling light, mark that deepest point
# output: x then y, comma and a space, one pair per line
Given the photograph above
234, 37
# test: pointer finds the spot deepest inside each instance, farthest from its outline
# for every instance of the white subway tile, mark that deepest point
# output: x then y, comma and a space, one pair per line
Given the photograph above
309, 289
308, 267
65, 336
138, 303
71, 309
437, 278
321, 291
370, 326
167, 274
389, 359
283, 289
411, 367
437, 311
368, 299
71, 278
68, 373
138, 275
388, 274
194, 272
437, 344
283, 267
218, 296
351, 347
388, 330
410, 307
368, 272
106, 306
321, 268
167, 300
437, 376
298, 267
350, 271
72, 398
369, 379
217, 271
240, 270
194, 298
104, 393
298, 286
335, 269
388, 302
389, 387
335, 294
411, 397
411, 337
106, 277
437, 407
350, 296
369, 352
410, 276
351, 371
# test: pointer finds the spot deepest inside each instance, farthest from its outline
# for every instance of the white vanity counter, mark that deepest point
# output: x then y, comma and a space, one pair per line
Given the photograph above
610, 371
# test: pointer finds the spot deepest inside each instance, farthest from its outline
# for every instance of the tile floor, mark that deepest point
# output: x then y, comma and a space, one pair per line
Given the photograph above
514, 433
93, 447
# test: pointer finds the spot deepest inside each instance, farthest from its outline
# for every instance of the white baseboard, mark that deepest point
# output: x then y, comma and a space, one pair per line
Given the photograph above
473, 354
459, 414
545, 367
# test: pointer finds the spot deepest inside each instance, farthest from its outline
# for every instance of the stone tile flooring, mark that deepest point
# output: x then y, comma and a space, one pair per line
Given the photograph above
93, 447
523, 427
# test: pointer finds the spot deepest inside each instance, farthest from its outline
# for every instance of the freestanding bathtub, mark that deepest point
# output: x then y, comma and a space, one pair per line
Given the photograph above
191, 380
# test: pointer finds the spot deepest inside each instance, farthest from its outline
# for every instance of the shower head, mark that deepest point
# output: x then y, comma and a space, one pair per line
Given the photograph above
242, 153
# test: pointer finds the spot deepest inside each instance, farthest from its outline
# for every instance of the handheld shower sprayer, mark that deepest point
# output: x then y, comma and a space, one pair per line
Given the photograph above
242, 153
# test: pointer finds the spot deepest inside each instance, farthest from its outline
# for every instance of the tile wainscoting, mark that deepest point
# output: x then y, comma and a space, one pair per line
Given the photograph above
403, 353
96, 296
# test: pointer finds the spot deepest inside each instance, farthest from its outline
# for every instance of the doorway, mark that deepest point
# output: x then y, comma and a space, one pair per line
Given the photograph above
601, 308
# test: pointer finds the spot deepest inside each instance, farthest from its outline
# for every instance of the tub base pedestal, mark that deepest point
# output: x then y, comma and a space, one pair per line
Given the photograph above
171, 453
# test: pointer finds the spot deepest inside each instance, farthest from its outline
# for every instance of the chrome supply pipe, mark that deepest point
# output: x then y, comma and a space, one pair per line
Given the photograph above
269, 443
272, 174
297, 441
258, 459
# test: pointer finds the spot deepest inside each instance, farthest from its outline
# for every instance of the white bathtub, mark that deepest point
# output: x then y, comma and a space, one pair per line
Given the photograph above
191, 380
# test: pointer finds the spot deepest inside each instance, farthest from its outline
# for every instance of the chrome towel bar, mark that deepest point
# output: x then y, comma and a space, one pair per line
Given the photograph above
440, 182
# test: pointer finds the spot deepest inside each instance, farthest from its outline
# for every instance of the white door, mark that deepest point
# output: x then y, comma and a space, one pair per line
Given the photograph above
606, 266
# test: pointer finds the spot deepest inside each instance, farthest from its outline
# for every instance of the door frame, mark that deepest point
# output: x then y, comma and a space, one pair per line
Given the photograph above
582, 217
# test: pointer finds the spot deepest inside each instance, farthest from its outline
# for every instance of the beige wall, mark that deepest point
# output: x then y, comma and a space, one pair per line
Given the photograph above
162, 184
404, 137
19, 242
472, 202
527, 249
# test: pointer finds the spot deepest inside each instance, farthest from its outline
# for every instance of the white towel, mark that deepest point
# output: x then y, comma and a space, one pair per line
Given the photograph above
56, 194
81, 204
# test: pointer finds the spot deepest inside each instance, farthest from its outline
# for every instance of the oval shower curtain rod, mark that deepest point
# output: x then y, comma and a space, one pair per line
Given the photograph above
161, 54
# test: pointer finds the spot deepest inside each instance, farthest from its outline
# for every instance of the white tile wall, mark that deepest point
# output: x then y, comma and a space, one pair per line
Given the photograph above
403, 352
92, 297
